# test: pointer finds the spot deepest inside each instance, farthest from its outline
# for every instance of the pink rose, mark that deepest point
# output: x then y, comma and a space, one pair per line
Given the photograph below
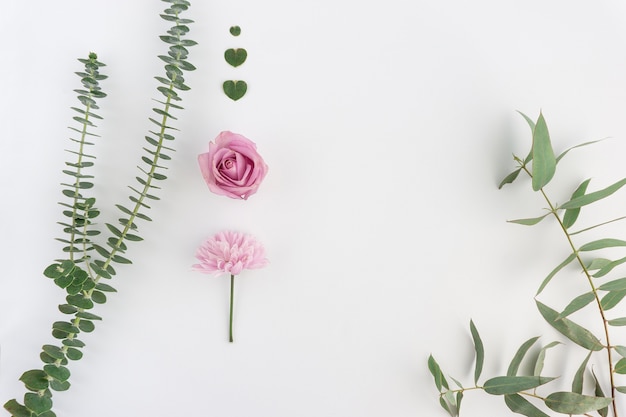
232, 167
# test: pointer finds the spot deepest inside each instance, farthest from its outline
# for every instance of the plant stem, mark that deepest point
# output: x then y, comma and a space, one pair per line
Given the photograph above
232, 298
554, 211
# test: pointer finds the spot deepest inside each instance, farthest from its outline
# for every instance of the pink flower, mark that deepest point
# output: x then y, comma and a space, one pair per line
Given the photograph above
230, 252
232, 167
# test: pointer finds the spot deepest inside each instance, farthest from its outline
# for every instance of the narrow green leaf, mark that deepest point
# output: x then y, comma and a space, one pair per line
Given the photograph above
120, 259
621, 350
599, 393
595, 196
544, 162
571, 215
569, 329
105, 287
502, 385
520, 405
435, 370
529, 222
577, 383
73, 342
88, 316
541, 358
615, 285
601, 244
519, 356
618, 322
612, 298
620, 366
479, 350
577, 303
608, 267
509, 178
573, 403
530, 121
575, 147
556, 270
621, 389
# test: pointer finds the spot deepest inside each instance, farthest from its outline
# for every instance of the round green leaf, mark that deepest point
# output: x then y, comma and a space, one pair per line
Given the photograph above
59, 373
38, 404
35, 379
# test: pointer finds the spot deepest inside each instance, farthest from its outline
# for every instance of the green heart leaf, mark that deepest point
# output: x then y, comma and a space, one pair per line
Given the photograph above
235, 30
235, 57
38, 404
235, 89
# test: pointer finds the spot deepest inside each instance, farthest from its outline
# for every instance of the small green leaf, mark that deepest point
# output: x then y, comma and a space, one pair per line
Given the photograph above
615, 285
235, 57
541, 358
620, 366
480, 351
67, 309
59, 385
551, 275
612, 298
529, 222
35, 380
86, 326
235, 30
574, 403
80, 301
544, 161
621, 389
235, 89
595, 196
571, 215
98, 297
510, 178
569, 329
74, 354
16, 409
435, 370
621, 350
520, 405
577, 303
88, 316
519, 356
502, 385
618, 322
59, 373
577, 383
601, 244
38, 404
73, 343
105, 287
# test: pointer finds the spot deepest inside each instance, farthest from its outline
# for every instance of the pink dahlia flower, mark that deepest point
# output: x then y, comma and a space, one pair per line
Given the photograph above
232, 166
230, 252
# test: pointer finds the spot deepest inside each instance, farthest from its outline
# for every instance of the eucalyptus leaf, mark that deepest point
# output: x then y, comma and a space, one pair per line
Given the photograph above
60, 373
577, 303
621, 350
609, 267
520, 405
16, 409
541, 358
530, 221
577, 383
612, 298
569, 329
38, 404
544, 161
620, 366
593, 197
574, 403
602, 244
510, 178
501, 385
556, 270
435, 370
618, 322
571, 215
519, 356
36, 379
615, 285
479, 350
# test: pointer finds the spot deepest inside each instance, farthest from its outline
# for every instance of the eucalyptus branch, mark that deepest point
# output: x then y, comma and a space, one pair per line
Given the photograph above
81, 276
514, 387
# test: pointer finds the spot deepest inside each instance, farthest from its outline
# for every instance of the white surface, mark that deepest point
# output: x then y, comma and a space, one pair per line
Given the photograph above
386, 127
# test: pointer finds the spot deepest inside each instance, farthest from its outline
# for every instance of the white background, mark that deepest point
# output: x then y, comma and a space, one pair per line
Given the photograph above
386, 126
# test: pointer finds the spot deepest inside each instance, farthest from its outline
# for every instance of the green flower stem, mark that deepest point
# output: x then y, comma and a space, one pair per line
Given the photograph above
554, 211
232, 299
